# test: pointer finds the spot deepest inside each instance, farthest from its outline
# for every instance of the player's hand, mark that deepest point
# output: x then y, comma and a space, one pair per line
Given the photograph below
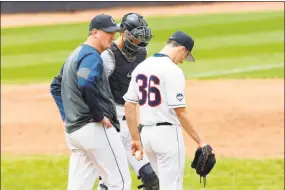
136, 146
202, 144
106, 122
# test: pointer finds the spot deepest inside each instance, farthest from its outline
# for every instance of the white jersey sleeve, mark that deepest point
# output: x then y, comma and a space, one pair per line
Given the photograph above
108, 62
175, 89
132, 93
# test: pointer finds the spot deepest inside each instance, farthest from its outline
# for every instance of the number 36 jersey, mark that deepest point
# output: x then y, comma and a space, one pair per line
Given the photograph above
158, 86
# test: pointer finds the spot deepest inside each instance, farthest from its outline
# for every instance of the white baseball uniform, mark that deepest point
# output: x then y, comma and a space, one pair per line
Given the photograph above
157, 85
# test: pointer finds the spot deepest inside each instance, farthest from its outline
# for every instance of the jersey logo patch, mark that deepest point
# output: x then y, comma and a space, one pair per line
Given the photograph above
179, 97
129, 75
113, 21
83, 72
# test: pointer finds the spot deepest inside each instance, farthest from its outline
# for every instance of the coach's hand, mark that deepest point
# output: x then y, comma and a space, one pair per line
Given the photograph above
136, 146
106, 122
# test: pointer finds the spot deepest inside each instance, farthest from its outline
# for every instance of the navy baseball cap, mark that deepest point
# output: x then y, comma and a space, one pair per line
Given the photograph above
105, 23
186, 41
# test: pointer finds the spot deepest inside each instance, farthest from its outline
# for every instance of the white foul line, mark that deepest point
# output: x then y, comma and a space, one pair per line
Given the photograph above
237, 70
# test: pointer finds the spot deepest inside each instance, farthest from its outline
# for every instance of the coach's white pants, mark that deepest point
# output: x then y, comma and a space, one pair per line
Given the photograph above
164, 147
127, 139
97, 151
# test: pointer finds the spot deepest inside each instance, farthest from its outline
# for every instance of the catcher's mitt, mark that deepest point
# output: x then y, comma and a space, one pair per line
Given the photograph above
204, 161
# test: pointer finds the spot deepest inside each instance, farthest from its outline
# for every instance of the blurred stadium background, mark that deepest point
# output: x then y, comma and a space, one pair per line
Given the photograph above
72, 6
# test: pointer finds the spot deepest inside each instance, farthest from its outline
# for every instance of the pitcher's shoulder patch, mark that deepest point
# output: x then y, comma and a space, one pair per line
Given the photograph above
179, 96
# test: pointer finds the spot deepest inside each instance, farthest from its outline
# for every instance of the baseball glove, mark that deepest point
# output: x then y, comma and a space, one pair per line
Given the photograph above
203, 162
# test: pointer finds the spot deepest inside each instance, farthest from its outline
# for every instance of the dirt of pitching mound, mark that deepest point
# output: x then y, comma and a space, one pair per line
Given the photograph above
239, 118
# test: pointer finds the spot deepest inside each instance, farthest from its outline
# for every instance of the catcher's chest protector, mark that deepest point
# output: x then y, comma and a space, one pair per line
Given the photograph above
120, 79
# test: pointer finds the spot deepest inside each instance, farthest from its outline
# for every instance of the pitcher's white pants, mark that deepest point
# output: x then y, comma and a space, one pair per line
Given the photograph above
164, 147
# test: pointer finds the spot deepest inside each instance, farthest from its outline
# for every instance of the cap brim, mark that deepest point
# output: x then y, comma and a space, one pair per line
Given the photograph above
190, 58
112, 29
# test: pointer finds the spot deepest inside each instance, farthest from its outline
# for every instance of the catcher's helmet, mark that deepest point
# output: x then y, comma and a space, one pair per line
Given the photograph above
137, 35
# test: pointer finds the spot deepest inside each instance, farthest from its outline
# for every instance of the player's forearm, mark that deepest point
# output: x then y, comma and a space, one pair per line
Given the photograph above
131, 117
190, 130
187, 126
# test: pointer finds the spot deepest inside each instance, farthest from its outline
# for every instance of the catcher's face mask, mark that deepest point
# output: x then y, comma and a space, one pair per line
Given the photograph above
135, 41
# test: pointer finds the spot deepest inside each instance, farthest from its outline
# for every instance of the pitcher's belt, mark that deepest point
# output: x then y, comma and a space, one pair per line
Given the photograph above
157, 124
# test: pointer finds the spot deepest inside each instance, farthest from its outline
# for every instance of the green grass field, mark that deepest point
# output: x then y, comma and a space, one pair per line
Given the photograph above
240, 45
50, 173
252, 43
